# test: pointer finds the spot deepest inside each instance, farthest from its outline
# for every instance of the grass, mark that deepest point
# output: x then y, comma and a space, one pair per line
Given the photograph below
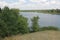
43, 35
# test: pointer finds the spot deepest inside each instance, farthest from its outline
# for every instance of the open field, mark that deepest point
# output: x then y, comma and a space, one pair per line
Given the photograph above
43, 35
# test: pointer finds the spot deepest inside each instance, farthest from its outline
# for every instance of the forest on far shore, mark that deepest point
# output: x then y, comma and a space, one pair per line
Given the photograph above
50, 11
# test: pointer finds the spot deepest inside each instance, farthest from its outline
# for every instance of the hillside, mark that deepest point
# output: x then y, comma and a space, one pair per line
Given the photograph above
44, 35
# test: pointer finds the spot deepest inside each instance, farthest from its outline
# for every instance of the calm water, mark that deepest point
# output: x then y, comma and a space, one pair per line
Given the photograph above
45, 19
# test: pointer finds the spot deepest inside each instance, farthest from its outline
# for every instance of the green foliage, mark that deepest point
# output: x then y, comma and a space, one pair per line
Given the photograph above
35, 25
23, 25
12, 23
0, 10
49, 28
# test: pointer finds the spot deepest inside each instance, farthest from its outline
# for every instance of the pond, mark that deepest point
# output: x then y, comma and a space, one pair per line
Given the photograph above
45, 19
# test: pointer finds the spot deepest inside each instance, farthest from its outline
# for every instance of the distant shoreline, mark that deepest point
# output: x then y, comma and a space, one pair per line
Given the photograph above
53, 11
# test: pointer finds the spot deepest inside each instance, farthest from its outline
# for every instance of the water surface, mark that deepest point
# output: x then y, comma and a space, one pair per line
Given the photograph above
45, 19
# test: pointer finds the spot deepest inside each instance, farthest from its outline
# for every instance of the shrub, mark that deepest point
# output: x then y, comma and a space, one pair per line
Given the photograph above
49, 28
35, 25
12, 23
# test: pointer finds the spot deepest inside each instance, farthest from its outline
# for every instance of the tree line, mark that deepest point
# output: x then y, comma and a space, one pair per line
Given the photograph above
12, 23
49, 11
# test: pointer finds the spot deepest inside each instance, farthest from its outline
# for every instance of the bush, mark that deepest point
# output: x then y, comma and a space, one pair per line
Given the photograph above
49, 28
35, 25
12, 23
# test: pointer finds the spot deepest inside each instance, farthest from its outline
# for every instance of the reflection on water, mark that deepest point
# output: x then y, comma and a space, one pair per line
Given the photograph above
45, 19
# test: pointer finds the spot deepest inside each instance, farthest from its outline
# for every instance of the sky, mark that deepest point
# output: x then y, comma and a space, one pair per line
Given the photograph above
31, 4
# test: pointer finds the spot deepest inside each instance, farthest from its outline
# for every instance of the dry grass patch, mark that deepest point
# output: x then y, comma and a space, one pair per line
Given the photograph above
44, 35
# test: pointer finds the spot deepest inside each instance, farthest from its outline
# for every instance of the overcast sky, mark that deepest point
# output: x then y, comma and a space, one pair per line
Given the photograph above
31, 4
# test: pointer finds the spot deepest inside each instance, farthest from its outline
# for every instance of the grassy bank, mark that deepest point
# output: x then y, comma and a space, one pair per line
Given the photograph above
43, 35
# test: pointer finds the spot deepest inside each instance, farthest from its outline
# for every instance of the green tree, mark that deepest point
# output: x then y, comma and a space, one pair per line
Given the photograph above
12, 23
35, 25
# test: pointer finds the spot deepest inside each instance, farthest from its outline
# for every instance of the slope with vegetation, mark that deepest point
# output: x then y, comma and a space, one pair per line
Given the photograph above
12, 23
43, 35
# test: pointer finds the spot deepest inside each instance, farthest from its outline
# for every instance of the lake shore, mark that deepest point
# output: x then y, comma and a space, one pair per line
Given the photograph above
52, 11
